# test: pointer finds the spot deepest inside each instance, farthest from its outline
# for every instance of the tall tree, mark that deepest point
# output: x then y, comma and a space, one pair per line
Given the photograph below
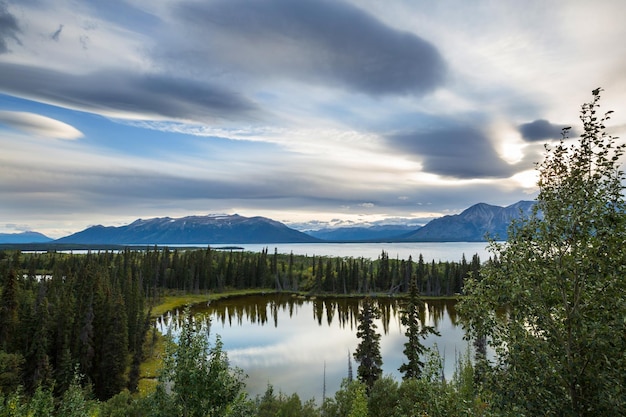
367, 353
39, 369
9, 318
560, 279
416, 331
111, 346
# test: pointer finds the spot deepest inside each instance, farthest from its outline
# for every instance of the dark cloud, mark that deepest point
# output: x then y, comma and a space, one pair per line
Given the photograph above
8, 28
125, 92
322, 41
542, 130
454, 151
55, 36
99, 189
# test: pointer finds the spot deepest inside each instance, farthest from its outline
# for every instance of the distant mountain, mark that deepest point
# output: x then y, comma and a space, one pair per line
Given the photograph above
192, 230
24, 237
472, 225
361, 234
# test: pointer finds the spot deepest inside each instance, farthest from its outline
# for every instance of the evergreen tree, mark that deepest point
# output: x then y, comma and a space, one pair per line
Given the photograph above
9, 318
11, 365
39, 367
367, 353
111, 343
416, 331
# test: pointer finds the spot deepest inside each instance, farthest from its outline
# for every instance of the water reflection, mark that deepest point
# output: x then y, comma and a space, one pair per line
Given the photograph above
286, 340
263, 309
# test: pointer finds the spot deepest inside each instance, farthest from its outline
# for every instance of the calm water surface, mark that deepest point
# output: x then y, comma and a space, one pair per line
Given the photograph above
437, 251
288, 341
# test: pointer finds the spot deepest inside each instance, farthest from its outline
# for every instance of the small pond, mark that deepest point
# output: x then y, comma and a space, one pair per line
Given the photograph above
291, 341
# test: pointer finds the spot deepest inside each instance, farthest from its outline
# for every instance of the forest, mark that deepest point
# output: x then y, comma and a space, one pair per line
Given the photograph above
550, 302
84, 318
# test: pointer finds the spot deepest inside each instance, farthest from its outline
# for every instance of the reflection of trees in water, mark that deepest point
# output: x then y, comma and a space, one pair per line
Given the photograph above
257, 309
439, 309
173, 321
330, 311
262, 309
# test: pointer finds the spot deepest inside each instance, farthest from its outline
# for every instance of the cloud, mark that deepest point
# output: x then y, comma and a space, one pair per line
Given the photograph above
313, 41
9, 28
127, 95
17, 227
38, 125
541, 130
332, 103
55, 36
453, 151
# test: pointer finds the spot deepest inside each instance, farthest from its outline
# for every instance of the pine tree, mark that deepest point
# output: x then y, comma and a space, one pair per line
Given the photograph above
416, 331
9, 318
367, 353
39, 367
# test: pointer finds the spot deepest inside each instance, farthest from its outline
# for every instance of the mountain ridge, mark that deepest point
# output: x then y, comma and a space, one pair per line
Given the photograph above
361, 233
24, 237
471, 225
192, 230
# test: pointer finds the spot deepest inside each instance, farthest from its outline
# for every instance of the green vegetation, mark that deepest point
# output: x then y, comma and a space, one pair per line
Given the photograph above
196, 379
414, 350
367, 353
75, 334
554, 304
76, 328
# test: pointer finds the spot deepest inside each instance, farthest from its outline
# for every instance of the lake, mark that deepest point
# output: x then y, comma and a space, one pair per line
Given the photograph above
437, 251
292, 341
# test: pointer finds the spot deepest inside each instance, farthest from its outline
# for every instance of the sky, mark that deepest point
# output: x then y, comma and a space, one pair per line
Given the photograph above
315, 113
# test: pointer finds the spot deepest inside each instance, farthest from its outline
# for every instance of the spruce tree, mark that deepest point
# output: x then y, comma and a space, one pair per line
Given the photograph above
9, 318
367, 353
39, 367
416, 331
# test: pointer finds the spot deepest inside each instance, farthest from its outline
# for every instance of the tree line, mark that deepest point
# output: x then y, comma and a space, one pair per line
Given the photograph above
202, 270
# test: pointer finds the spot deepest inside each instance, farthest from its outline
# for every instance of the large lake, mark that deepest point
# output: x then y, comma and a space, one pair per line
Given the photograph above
437, 251
291, 341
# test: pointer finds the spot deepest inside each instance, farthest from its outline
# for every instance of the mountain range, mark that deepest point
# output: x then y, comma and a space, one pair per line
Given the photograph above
24, 237
472, 225
192, 230
361, 233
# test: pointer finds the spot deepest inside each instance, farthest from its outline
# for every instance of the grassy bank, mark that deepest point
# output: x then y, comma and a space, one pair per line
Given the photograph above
175, 300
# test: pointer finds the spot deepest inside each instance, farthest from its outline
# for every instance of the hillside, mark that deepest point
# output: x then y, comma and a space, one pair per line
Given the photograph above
472, 225
24, 237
